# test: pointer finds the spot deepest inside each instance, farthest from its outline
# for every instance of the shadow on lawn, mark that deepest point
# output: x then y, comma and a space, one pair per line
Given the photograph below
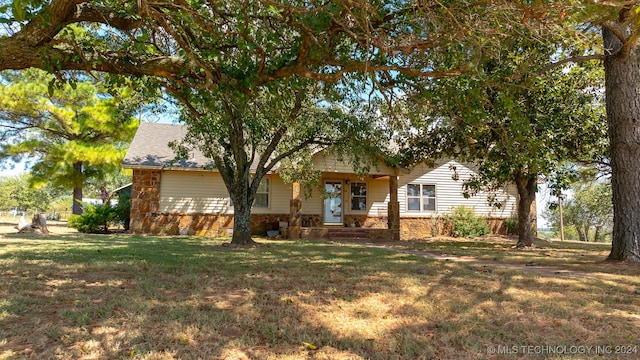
114, 297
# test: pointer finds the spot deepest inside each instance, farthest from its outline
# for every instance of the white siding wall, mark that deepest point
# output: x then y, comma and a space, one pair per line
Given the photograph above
205, 192
449, 192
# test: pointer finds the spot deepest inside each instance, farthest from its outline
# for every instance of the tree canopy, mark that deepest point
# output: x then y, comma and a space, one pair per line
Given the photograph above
240, 67
17, 194
69, 134
187, 46
516, 129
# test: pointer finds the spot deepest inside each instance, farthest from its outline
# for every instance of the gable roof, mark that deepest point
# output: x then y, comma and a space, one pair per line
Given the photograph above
150, 149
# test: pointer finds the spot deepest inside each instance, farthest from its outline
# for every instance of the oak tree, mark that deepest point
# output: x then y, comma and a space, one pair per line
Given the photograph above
516, 129
227, 61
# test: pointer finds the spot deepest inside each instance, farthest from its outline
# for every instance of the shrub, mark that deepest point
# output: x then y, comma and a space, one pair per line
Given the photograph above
123, 209
511, 224
95, 220
465, 223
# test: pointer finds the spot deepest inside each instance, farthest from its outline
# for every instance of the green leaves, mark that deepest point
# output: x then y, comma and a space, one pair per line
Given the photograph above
58, 124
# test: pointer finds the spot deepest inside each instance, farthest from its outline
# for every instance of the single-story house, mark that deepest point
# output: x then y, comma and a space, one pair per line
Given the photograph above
392, 203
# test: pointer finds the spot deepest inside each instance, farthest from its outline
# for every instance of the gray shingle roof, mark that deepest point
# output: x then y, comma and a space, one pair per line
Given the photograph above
150, 148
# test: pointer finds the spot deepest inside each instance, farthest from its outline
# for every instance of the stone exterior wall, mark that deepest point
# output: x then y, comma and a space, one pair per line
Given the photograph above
145, 201
365, 221
146, 219
209, 224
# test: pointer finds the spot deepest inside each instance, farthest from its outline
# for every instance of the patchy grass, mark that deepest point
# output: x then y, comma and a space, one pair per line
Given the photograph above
571, 255
72, 296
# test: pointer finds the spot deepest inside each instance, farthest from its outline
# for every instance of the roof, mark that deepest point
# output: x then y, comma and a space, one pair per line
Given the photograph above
150, 149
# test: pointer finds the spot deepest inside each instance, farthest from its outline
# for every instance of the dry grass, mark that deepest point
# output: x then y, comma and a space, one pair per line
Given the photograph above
570, 255
75, 296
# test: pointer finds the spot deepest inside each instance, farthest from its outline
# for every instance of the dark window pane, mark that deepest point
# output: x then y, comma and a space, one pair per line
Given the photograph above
429, 204
429, 190
359, 203
262, 200
413, 204
413, 190
358, 188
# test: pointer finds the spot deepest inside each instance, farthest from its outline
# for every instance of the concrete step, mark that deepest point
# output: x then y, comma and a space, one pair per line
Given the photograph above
348, 233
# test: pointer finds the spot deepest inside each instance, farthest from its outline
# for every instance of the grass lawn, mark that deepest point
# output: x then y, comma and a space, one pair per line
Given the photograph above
73, 296
570, 255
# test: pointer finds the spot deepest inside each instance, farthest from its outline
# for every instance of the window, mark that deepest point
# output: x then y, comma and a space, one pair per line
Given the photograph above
262, 195
421, 197
358, 196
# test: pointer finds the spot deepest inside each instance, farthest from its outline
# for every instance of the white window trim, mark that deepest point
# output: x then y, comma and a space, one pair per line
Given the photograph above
268, 192
421, 197
351, 196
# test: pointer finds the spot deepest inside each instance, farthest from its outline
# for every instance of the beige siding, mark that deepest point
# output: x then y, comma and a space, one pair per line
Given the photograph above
449, 192
330, 163
280, 195
377, 196
313, 204
205, 192
193, 192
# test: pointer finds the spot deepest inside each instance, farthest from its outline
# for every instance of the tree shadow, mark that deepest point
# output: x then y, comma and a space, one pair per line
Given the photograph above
154, 297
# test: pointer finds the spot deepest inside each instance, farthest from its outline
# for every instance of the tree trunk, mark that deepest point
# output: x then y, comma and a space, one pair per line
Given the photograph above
581, 236
243, 195
242, 225
77, 190
622, 78
596, 235
527, 194
586, 233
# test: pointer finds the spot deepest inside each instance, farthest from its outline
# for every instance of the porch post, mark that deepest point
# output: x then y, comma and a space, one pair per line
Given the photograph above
295, 220
393, 209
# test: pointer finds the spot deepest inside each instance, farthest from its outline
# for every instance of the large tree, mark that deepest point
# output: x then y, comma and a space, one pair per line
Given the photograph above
620, 34
516, 128
233, 63
609, 31
69, 133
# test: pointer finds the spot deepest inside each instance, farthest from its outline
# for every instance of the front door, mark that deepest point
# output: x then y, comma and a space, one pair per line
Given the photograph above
333, 202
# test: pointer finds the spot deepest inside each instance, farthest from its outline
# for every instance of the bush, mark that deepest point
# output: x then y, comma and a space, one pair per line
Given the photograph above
465, 223
512, 226
123, 209
95, 220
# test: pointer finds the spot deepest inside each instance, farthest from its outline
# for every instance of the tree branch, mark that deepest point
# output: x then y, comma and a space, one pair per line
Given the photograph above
573, 59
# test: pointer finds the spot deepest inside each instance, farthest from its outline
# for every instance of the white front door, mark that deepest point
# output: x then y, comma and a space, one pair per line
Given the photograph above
333, 202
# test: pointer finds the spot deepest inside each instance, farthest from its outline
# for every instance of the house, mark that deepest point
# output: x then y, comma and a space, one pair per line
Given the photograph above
389, 203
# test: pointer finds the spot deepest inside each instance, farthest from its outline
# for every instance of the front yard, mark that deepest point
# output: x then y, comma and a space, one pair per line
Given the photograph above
74, 296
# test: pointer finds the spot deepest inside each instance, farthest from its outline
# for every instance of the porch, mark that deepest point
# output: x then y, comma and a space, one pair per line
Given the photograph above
346, 211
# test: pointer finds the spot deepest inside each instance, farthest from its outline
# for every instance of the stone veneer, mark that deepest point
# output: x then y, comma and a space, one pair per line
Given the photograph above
145, 201
146, 219
209, 224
